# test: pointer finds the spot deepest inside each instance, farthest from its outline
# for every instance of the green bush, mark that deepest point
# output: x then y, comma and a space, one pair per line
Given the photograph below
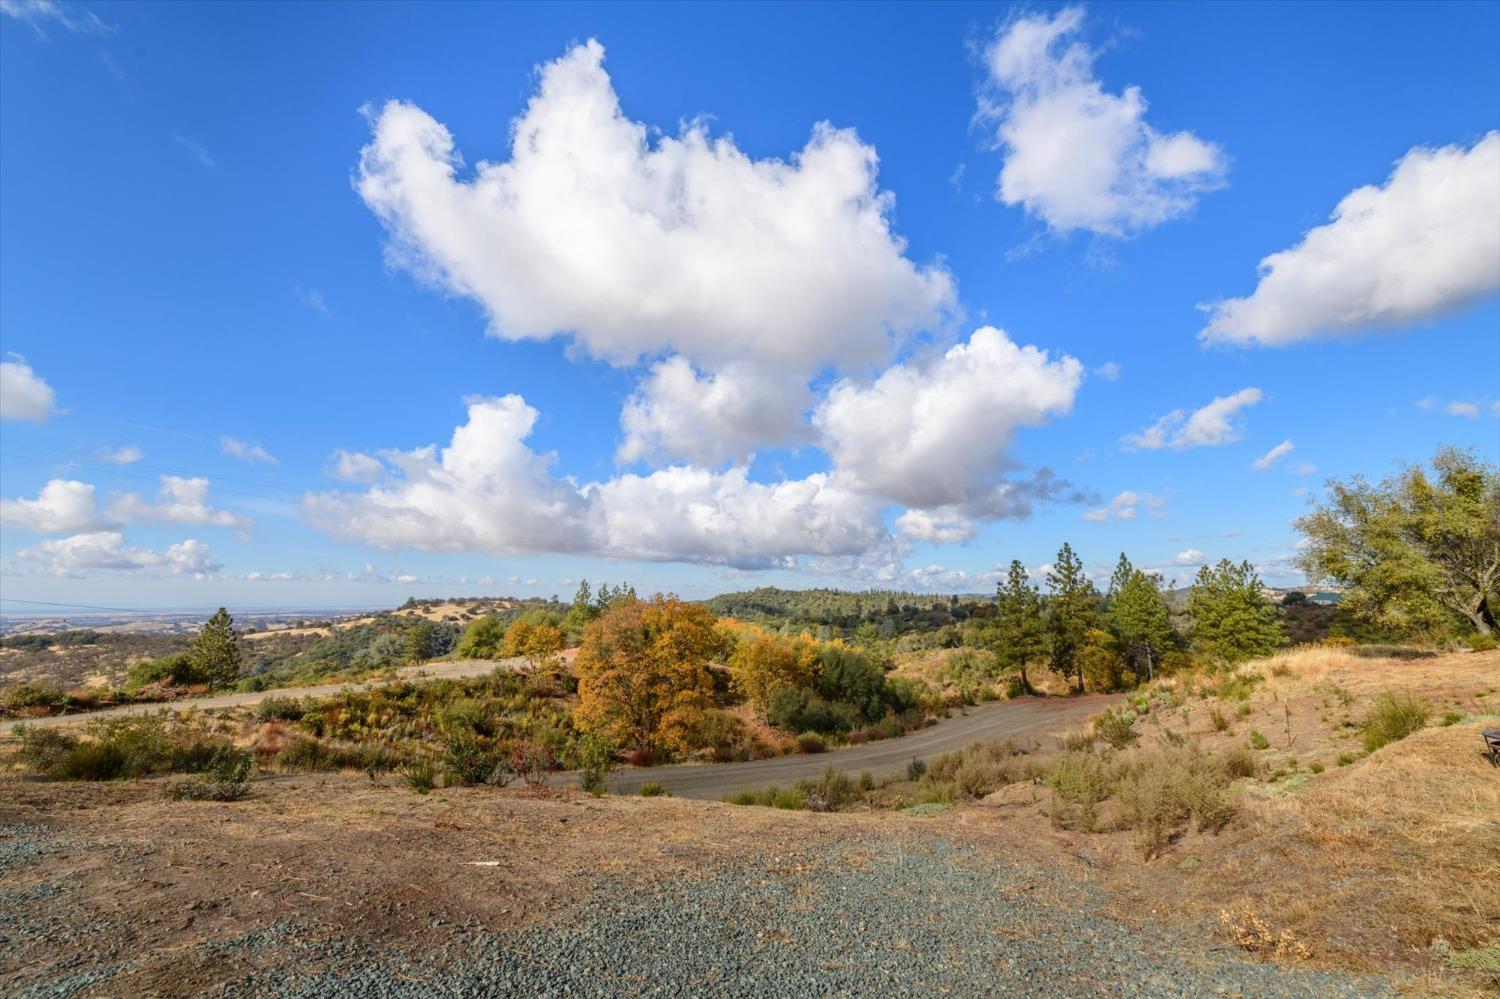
279, 709
916, 769
810, 742
25, 696
1216, 717
983, 768
1080, 781
303, 754
654, 789
420, 775
226, 778
177, 669
1258, 741
1116, 728
795, 709
1392, 718
595, 759
834, 791
1159, 794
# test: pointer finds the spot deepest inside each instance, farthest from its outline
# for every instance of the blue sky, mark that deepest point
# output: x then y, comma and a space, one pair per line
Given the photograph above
696, 342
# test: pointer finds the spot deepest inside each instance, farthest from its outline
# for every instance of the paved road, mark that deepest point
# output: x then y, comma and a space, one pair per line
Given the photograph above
1027, 718
427, 671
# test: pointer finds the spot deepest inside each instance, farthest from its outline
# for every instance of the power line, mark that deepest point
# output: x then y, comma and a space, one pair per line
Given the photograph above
49, 603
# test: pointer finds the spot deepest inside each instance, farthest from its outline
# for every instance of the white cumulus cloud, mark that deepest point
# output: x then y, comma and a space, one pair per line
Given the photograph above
106, 551
1458, 408
488, 491
129, 454
24, 395
1076, 155
62, 506
1424, 245
935, 435
711, 419
179, 500
1210, 426
637, 245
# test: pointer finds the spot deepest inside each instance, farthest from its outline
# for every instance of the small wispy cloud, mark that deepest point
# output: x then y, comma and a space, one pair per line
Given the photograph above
1109, 371
1272, 456
127, 455
42, 14
246, 451
195, 149
312, 298
1459, 408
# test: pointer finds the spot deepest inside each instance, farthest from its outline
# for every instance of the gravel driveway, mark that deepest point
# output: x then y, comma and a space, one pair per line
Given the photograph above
859, 919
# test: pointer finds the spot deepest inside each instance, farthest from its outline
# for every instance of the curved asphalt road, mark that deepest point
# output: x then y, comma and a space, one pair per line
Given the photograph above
1025, 718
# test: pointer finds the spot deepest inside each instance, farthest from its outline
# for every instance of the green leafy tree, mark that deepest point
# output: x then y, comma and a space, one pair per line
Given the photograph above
419, 642
215, 651
1138, 618
483, 639
1415, 550
1232, 620
1020, 634
1072, 611
1117, 581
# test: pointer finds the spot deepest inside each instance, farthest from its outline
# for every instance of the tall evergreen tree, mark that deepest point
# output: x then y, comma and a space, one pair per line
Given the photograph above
1232, 620
1072, 610
419, 642
1020, 633
1138, 618
215, 651
1117, 582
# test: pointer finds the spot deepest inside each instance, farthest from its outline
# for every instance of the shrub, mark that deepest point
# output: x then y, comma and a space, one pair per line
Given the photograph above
1237, 762
91, 761
303, 754
810, 742
420, 775
596, 759
1079, 782
1220, 723
916, 769
790, 800
30, 696
1392, 718
983, 768
1483, 643
832, 792
722, 734
1345, 759
800, 710
1451, 718
1160, 793
177, 669
466, 760
654, 789
1116, 728
226, 779
279, 709
1078, 742
1258, 741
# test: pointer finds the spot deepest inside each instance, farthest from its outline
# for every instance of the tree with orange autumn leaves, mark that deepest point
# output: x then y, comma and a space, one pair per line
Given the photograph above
643, 677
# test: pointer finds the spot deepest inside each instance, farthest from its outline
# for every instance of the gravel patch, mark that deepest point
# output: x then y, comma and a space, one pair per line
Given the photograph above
859, 919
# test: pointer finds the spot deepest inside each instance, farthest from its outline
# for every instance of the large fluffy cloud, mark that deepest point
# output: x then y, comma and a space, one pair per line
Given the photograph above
934, 436
1424, 245
1077, 156
106, 551
488, 491
635, 247
62, 506
24, 395
1210, 426
711, 419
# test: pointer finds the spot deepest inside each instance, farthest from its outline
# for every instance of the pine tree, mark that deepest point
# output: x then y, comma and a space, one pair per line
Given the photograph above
1020, 632
1138, 618
1072, 610
215, 652
1232, 620
1117, 582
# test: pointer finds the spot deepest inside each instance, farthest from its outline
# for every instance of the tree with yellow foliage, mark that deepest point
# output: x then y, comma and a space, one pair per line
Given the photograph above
537, 643
765, 662
643, 678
